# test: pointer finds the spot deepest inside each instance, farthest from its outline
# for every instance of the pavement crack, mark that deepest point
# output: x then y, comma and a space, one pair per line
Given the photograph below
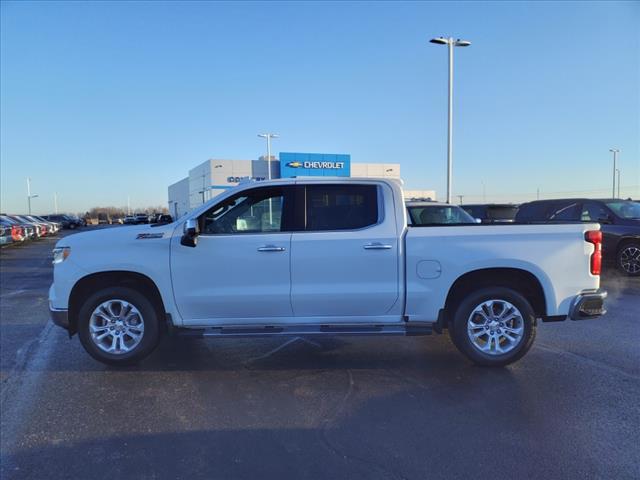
338, 451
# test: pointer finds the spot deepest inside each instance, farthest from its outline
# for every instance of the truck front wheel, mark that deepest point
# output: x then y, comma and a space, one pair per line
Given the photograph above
494, 326
118, 326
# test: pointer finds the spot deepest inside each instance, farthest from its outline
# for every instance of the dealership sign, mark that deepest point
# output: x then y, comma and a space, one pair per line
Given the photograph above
314, 164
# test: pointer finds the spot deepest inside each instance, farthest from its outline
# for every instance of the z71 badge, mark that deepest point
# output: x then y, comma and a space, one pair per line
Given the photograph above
143, 236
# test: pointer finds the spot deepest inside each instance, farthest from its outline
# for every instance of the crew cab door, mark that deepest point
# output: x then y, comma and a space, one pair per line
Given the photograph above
345, 261
239, 270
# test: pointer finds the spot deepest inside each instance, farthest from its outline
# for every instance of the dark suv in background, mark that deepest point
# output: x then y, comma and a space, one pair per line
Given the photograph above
619, 220
492, 212
65, 220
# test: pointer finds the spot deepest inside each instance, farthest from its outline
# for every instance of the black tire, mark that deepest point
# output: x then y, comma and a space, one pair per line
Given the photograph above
460, 337
625, 265
150, 337
72, 226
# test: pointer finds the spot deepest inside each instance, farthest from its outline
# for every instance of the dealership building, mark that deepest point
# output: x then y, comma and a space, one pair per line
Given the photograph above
214, 176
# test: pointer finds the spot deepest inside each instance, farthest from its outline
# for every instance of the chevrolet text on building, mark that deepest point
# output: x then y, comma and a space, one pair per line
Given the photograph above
323, 165
322, 256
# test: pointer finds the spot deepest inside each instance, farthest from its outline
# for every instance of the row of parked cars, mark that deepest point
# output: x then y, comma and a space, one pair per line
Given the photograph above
20, 228
140, 218
619, 221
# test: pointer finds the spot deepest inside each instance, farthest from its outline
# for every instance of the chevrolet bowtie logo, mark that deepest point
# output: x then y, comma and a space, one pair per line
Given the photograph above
294, 164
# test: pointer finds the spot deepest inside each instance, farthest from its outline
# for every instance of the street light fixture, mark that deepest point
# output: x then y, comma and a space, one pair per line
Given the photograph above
615, 152
29, 195
451, 43
268, 136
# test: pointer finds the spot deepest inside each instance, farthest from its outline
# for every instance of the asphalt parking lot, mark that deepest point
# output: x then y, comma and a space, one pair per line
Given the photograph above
370, 408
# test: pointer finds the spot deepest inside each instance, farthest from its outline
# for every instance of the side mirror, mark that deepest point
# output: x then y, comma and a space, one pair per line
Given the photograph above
190, 235
478, 220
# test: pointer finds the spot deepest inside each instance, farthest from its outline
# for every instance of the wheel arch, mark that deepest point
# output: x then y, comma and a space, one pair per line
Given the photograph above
117, 278
519, 280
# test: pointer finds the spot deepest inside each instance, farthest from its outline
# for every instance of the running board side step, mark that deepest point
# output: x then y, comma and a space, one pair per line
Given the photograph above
407, 328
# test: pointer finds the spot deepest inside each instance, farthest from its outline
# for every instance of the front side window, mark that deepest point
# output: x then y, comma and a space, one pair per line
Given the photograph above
259, 210
341, 207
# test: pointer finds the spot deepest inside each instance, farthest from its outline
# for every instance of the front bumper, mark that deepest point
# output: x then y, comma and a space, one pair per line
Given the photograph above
59, 316
588, 305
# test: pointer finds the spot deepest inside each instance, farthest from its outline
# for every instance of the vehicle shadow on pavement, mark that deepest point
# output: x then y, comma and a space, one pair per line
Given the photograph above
281, 353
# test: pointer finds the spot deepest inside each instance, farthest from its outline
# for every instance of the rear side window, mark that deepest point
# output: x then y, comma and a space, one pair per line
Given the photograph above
341, 207
592, 212
502, 213
570, 213
548, 212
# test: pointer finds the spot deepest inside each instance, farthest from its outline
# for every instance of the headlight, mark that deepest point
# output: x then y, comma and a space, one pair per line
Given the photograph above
60, 254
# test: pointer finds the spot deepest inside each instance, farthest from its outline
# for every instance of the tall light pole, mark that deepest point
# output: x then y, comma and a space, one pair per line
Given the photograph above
55, 201
29, 195
615, 152
268, 136
618, 170
451, 43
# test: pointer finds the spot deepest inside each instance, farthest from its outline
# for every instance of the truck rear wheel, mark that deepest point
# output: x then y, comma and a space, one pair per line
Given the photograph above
118, 326
494, 326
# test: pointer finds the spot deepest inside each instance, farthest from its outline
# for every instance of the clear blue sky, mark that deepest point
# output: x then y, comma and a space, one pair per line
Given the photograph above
104, 100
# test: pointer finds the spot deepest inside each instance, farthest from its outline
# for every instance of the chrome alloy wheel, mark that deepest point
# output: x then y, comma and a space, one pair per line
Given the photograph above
495, 327
630, 259
116, 326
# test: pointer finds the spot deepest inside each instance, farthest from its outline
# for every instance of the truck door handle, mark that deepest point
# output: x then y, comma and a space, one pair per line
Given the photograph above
270, 248
377, 246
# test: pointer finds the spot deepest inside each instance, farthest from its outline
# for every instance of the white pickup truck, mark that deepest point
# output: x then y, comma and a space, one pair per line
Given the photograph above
322, 256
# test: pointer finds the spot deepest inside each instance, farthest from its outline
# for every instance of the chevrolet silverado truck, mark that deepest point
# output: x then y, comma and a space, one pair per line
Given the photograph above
322, 256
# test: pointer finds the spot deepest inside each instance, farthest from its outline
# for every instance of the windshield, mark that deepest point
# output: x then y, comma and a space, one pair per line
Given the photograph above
438, 215
625, 209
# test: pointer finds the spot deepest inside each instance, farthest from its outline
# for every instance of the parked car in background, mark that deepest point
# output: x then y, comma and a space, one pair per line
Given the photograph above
129, 220
492, 212
61, 220
6, 237
43, 228
142, 218
53, 227
619, 220
162, 218
104, 219
32, 230
19, 231
434, 213
66, 221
